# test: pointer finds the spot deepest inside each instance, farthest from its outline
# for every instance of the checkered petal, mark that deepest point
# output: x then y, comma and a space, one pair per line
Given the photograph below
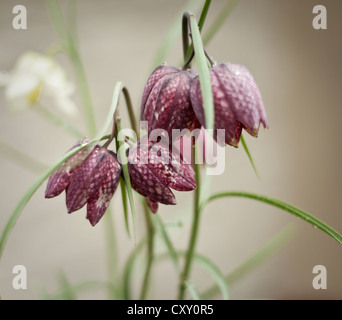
60, 178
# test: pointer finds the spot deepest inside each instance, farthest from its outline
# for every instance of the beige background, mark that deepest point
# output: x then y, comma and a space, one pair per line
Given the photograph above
299, 72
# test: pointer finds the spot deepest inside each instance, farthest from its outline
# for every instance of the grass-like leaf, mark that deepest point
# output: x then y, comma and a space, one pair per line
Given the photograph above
20, 158
70, 47
204, 75
281, 239
124, 203
167, 241
215, 272
173, 33
200, 27
22, 203
219, 20
249, 155
111, 248
192, 290
123, 157
68, 292
209, 267
57, 121
128, 270
281, 205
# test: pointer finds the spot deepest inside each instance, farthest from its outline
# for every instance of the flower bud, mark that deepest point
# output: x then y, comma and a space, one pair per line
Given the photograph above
237, 102
166, 100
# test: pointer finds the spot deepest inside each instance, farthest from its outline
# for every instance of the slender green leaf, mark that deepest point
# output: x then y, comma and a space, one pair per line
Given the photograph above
20, 158
112, 248
219, 20
215, 272
209, 267
281, 205
192, 290
185, 275
167, 241
22, 203
249, 155
150, 250
204, 75
59, 122
68, 292
200, 25
72, 50
128, 270
123, 159
272, 246
112, 109
173, 33
124, 203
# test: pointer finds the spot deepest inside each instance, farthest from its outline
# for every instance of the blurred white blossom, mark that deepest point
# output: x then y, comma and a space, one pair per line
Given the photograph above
36, 77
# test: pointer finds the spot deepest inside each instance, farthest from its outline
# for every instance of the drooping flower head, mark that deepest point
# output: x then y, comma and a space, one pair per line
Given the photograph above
89, 177
61, 177
154, 170
166, 100
237, 102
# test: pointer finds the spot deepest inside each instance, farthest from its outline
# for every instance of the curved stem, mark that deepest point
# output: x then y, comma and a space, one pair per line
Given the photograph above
187, 63
150, 251
194, 232
130, 110
112, 135
200, 27
185, 34
211, 61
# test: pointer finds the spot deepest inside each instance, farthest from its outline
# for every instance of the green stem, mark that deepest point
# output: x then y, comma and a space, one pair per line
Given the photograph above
193, 238
130, 110
84, 90
51, 117
112, 250
185, 34
128, 270
185, 26
150, 251
81, 77
218, 22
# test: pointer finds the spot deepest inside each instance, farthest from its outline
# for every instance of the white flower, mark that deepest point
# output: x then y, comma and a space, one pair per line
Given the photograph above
36, 77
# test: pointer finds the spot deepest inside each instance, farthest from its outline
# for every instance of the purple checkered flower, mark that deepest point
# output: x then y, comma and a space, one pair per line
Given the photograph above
154, 170
237, 102
166, 100
92, 181
61, 177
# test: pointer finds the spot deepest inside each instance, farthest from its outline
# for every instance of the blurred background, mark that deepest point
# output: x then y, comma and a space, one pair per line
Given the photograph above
299, 73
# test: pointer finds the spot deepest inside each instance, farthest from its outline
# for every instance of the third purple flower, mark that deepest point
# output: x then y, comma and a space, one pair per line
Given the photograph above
237, 102
154, 169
